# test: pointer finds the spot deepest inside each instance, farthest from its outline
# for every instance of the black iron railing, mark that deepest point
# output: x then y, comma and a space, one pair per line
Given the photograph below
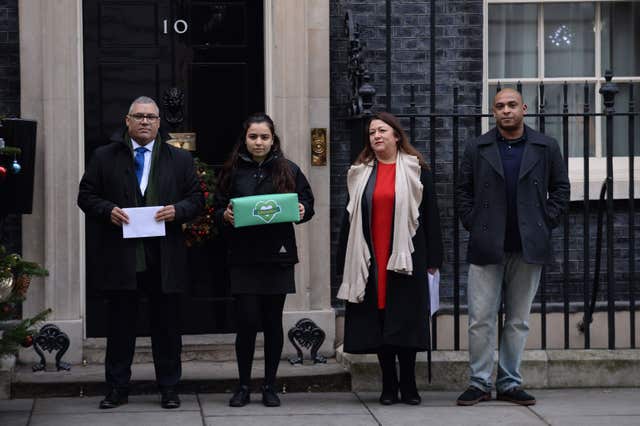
362, 103
456, 113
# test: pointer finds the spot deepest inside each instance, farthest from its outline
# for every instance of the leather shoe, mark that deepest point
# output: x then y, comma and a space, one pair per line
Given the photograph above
114, 399
389, 397
472, 396
241, 397
409, 393
518, 396
269, 396
411, 398
170, 398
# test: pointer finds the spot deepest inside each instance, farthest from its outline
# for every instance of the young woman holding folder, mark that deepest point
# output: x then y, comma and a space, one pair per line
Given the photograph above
261, 258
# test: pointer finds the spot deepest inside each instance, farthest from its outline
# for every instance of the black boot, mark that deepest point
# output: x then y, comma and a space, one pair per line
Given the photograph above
269, 396
241, 397
408, 388
387, 360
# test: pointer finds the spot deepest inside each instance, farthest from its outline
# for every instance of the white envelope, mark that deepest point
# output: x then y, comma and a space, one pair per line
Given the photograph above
434, 291
142, 223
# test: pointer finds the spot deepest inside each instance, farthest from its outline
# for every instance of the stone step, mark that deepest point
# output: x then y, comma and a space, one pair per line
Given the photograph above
540, 369
214, 348
197, 376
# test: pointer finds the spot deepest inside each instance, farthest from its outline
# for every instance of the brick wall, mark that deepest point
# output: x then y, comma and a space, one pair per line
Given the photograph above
10, 233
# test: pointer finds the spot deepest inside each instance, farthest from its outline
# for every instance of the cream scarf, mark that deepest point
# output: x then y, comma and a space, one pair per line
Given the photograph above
408, 196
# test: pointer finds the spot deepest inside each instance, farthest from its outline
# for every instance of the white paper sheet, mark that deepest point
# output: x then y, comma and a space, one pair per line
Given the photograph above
142, 223
434, 291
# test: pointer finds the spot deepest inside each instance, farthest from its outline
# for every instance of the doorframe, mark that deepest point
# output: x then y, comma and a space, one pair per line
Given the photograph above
267, 11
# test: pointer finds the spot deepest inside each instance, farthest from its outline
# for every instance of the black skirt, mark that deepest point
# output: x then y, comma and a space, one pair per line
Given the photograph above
262, 279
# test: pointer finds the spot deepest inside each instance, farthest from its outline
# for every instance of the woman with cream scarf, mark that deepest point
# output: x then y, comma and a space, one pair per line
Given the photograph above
390, 238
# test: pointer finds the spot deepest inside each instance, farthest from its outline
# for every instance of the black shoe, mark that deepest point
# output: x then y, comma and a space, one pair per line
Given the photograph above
241, 397
269, 396
472, 396
389, 397
170, 398
410, 398
114, 399
517, 396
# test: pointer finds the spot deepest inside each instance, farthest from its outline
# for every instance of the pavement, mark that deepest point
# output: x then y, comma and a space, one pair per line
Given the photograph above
583, 407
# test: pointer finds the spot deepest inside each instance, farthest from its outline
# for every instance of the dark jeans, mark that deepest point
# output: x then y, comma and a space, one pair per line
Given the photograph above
166, 341
252, 311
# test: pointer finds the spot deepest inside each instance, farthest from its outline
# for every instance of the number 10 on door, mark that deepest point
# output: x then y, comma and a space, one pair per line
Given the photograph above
180, 26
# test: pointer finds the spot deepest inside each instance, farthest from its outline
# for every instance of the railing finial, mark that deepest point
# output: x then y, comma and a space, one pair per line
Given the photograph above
608, 91
366, 92
358, 73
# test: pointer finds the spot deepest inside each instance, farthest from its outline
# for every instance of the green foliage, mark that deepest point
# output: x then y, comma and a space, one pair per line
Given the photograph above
18, 332
13, 264
10, 151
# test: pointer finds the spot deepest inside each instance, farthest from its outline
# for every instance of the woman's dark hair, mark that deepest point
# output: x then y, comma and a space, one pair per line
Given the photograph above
281, 175
403, 144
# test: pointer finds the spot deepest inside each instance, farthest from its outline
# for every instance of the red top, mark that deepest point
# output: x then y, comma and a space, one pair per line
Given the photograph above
382, 223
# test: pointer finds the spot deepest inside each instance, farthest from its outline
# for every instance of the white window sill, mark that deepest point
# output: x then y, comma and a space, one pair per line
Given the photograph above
597, 175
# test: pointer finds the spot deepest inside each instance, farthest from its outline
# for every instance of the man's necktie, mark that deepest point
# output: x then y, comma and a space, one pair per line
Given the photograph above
139, 160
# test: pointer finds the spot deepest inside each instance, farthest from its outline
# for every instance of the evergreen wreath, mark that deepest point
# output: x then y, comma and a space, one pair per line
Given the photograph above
201, 229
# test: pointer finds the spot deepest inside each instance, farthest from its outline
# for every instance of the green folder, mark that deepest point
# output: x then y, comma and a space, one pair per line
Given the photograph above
265, 209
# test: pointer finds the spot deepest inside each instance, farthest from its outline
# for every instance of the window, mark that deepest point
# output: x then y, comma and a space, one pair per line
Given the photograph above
552, 42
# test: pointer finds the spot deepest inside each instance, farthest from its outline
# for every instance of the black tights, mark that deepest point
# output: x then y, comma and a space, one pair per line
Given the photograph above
407, 361
253, 310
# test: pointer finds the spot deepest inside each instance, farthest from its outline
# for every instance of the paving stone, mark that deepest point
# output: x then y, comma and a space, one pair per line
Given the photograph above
454, 415
137, 404
594, 420
292, 404
165, 418
588, 402
13, 405
14, 418
300, 419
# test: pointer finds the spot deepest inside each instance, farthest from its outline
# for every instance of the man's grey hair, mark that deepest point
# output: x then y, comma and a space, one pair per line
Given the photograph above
143, 100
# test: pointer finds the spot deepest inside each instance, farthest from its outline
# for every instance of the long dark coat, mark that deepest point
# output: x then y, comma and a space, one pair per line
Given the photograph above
257, 246
110, 181
406, 313
542, 197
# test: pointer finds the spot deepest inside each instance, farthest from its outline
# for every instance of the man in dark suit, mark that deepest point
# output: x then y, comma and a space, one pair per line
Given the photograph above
513, 189
139, 170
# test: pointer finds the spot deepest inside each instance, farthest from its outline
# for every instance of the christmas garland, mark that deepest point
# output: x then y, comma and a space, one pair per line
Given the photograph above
201, 229
10, 151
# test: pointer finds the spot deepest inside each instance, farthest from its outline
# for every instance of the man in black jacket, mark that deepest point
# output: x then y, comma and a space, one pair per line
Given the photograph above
136, 171
513, 189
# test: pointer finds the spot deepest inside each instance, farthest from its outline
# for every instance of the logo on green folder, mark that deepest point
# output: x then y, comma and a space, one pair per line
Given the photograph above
266, 210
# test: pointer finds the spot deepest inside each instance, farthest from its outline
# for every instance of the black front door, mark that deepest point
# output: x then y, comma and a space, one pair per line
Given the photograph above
212, 50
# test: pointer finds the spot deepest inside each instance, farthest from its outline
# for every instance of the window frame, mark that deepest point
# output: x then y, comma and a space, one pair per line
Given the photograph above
597, 163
